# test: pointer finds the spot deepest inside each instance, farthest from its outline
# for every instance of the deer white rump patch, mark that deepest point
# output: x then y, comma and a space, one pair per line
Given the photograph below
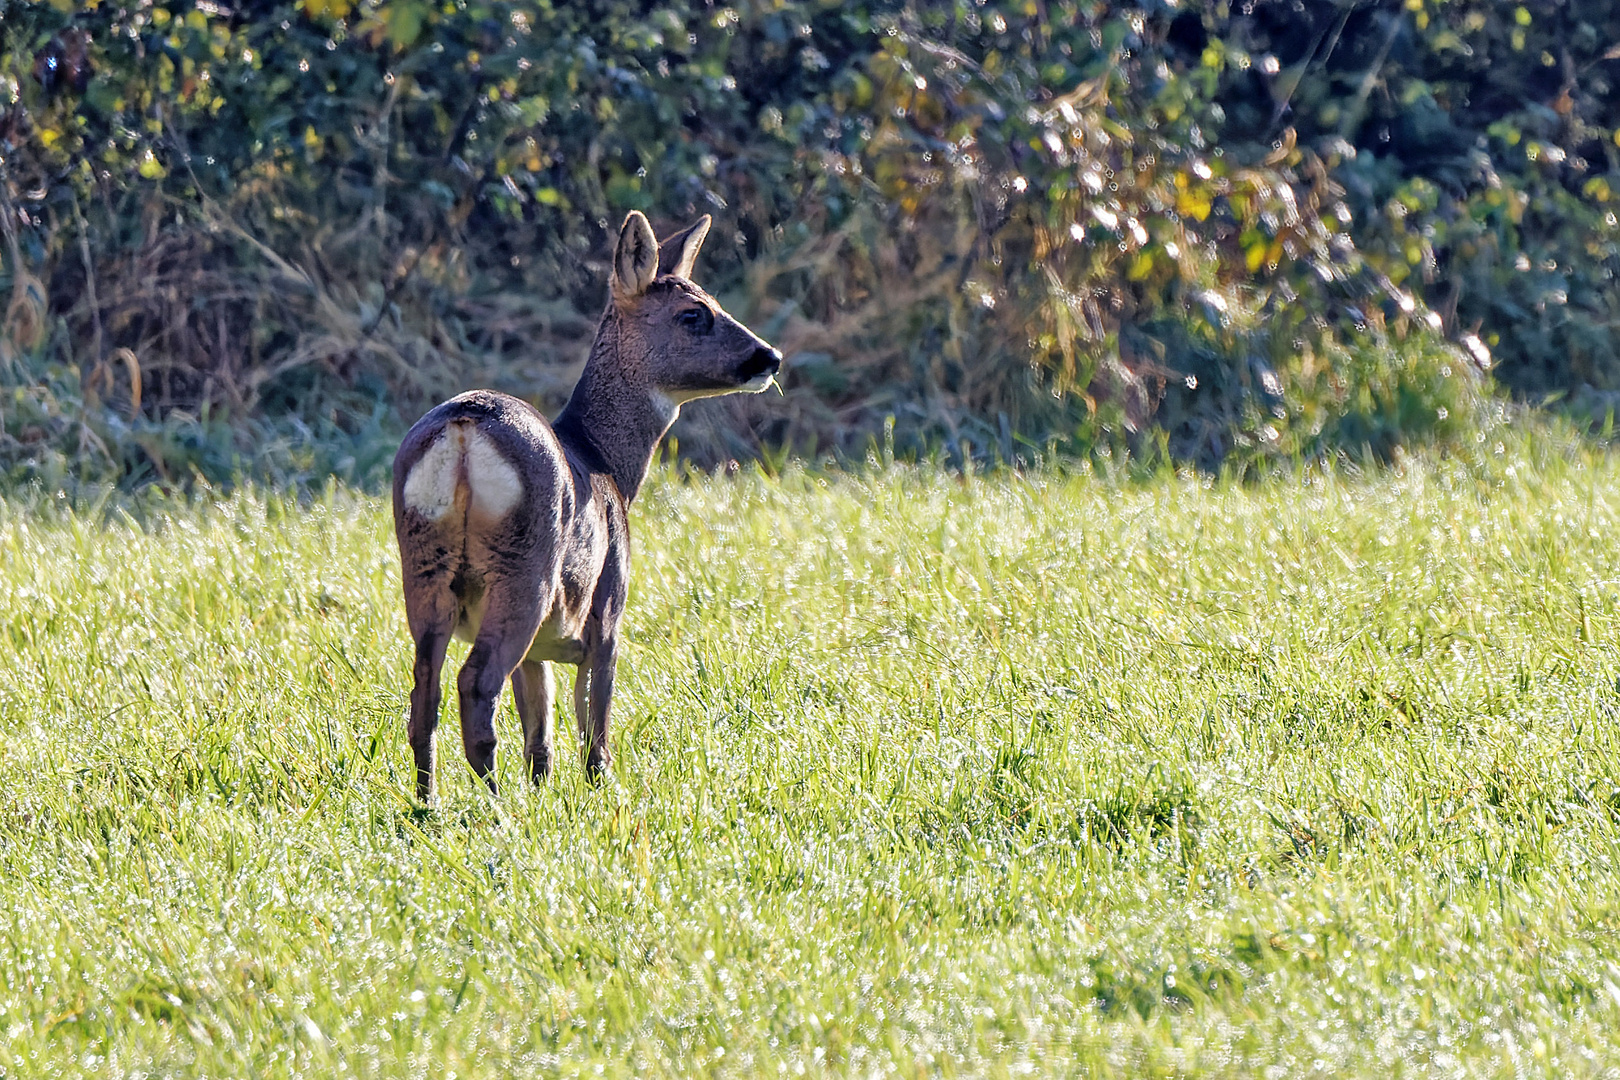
494, 485
430, 487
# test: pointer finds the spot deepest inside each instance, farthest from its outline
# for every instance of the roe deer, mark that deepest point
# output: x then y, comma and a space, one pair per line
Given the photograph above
513, 533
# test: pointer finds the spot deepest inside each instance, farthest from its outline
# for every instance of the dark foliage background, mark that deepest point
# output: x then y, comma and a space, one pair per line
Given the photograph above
261, 237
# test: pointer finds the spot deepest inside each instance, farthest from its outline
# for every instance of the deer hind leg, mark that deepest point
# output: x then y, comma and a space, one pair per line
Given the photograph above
535, 691
511, 617
582, 697
431, 611
603, 661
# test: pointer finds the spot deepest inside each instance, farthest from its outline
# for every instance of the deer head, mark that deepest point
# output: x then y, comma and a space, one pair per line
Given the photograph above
674, 339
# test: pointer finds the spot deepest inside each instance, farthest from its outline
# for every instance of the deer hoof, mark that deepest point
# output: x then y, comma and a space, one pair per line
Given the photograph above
424, 774
481, 756
540, 766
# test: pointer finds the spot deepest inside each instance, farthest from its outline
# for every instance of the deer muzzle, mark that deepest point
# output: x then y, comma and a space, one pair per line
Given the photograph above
760, 368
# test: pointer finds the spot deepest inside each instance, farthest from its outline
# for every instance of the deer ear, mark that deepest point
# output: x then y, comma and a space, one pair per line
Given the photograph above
677, 255
635, 261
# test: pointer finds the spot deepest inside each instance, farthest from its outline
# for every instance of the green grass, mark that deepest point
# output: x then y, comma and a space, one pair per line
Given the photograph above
915, 774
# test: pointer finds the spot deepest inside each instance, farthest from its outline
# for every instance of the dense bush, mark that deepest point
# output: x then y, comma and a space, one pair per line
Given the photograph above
275, 231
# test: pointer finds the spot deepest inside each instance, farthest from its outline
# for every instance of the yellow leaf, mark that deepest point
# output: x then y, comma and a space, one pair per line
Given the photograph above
1141, 268
150, 167
1193, 204
333, 9
1253, 257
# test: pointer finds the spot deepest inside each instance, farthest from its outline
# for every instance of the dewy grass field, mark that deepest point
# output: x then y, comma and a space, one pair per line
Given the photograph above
915, 775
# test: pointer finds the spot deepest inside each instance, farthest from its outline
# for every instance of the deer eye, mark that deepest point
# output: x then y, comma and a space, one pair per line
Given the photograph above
698, 320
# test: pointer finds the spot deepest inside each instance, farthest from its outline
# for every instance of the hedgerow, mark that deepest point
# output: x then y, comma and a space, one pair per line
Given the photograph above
263, 236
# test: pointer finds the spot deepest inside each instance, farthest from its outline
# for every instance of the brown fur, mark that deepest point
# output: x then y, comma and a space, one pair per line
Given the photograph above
518, 536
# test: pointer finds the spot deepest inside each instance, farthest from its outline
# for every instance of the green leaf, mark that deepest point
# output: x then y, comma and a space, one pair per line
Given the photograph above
405, 19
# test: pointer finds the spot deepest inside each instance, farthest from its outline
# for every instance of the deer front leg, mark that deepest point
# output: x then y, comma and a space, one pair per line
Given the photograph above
603, 661
535, 691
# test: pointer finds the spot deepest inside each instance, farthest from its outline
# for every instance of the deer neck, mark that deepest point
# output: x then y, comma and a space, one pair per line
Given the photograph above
613, 424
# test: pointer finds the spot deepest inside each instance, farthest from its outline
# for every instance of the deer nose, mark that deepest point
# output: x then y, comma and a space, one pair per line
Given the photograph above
762, 361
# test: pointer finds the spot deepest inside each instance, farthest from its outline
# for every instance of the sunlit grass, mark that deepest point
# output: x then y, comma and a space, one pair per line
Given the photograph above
915, 775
